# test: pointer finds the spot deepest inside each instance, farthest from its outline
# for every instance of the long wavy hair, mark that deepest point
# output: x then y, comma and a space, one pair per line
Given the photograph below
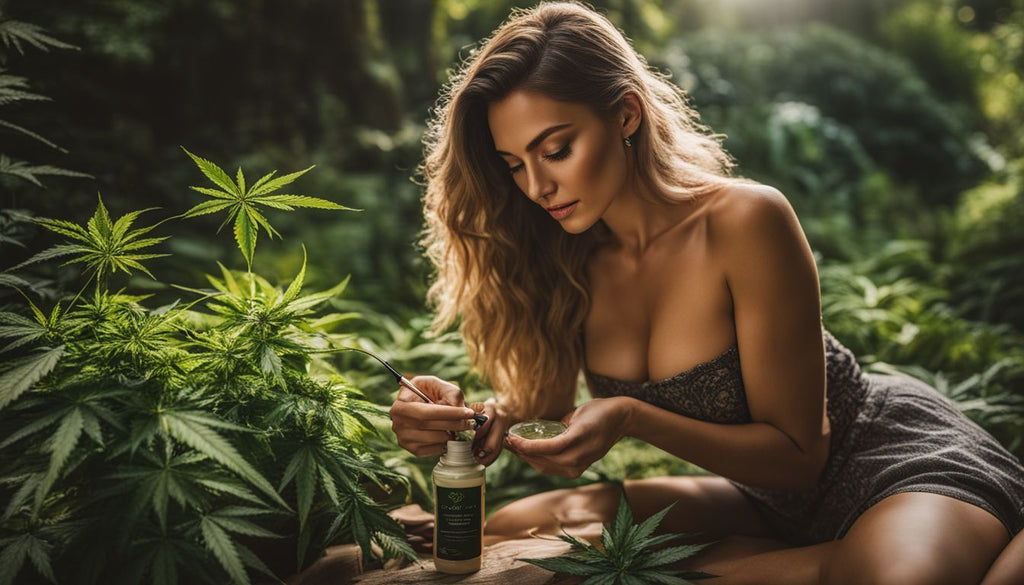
516, 279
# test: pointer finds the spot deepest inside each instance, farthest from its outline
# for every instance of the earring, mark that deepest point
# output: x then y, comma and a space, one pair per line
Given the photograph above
627, 142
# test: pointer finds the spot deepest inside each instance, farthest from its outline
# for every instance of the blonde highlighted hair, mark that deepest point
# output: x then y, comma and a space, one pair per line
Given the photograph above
516, 279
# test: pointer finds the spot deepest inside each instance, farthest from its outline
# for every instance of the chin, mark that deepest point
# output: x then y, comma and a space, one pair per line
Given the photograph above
575, 227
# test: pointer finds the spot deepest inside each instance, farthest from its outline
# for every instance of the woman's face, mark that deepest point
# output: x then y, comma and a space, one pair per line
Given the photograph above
562, 155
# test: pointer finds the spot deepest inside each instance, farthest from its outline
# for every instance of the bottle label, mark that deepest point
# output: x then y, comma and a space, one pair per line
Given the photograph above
459, 523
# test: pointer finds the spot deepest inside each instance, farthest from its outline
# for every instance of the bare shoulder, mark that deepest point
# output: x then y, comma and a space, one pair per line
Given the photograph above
746, 215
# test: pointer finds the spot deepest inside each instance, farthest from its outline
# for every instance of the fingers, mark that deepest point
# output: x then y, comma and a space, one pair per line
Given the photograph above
540, 447
422, 411
423, 428
487, 442
436, 389
423, 443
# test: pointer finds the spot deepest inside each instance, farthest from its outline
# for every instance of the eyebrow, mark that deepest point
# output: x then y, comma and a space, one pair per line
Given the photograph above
539, 138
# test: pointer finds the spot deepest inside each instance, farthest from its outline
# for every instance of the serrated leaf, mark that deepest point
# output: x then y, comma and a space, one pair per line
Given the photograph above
241, 526
621, 525
214, 173
303, 201
196, 430
31, 134
645, 529
245, 235
30, 370
235, 489
567, 565
275, 184
667, 556
254, 562
270, 362
14, 32
64, 439
34, 426
606, 579
9, 280
262, 180
302, 467
207, 207
240, 180
54, 252
20, 549
296, 285
223, 548
165, 566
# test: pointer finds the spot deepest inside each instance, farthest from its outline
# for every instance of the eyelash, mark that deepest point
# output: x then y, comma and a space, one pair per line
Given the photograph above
561, 154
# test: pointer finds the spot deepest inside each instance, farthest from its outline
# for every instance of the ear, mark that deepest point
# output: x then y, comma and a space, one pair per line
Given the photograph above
631, 114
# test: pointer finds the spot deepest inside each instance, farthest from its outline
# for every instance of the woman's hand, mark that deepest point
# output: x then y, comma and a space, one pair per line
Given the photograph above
487, 443
593, 429
423, 428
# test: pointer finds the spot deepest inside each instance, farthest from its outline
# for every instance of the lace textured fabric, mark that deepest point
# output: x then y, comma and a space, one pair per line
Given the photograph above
890, 434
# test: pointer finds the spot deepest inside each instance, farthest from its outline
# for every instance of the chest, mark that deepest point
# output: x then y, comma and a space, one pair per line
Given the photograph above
653, 319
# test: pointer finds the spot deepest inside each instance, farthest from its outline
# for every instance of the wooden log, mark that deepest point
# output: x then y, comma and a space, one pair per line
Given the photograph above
500, 567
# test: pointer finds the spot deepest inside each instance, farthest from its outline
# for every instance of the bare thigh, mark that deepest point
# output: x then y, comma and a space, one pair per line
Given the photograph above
710, 506
906, 539
917, 539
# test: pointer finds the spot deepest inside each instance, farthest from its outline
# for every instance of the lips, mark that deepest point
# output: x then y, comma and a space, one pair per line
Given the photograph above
560, 212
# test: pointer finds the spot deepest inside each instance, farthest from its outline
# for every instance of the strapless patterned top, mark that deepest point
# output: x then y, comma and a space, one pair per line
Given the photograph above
890, 434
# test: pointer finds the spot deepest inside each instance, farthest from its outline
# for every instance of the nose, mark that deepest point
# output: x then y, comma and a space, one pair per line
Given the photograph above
539, 185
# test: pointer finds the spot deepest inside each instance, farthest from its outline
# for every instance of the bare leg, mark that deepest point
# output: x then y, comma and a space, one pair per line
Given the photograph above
1009, 567
907, 539
707, 505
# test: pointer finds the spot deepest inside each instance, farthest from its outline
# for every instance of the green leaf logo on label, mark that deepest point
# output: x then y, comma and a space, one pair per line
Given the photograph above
455, 496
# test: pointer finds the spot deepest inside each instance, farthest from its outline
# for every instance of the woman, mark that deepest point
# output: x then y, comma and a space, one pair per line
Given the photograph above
580, 219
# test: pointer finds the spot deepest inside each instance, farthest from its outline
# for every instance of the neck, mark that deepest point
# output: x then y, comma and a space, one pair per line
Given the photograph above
637, 222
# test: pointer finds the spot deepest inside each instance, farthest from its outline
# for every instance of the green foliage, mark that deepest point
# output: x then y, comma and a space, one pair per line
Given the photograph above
894, 311
169, 444
241, 203
985, 246
877, 96
630, 554
15, 89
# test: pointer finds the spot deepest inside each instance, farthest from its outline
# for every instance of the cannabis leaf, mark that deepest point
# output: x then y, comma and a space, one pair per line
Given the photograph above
240, 202
30, 173
27, 371
104, 246
628, 555
13, 33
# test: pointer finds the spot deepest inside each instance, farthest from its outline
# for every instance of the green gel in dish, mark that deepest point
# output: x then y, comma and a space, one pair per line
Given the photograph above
537, 429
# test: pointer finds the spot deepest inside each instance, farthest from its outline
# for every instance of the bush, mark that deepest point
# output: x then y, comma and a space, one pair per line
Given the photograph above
180, 443
896, 118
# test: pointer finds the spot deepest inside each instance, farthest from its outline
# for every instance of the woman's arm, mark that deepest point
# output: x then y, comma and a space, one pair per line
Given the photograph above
772, 280
757, 454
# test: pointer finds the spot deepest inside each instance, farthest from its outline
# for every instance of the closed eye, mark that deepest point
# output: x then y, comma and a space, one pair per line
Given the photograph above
561, 154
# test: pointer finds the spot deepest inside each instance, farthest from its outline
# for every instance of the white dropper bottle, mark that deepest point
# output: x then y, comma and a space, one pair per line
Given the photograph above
458, 510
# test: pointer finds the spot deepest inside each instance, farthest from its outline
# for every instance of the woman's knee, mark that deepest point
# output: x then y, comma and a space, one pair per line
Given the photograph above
553, 511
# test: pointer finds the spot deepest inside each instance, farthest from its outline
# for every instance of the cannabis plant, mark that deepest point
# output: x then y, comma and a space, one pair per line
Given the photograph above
628, 554
193, 442
16, 35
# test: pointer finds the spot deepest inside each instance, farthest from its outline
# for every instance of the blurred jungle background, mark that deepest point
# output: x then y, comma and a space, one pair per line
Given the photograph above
895, 127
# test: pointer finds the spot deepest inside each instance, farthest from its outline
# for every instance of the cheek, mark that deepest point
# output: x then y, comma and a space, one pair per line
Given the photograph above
606, 169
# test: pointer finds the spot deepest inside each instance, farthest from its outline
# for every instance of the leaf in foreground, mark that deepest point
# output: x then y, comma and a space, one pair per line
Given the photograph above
629, 554
240, 202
